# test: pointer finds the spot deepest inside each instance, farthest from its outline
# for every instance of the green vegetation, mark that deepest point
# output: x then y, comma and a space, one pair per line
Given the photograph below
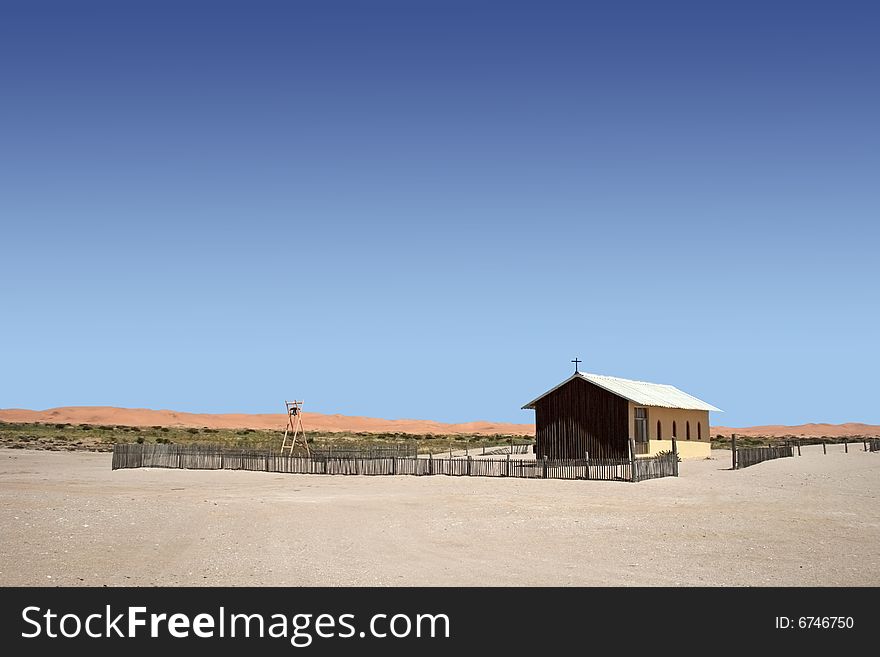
667, 452
71, 437
67, 437
723, 442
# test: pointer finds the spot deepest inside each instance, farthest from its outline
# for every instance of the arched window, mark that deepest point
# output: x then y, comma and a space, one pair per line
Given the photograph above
687, 429
699, 430
659, 431
674, 432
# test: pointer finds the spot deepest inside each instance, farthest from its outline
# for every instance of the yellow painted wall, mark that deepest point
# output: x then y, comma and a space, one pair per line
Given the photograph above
687, 449
692, 448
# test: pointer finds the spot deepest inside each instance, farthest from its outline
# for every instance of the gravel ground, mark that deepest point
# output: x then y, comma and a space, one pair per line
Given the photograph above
67, 519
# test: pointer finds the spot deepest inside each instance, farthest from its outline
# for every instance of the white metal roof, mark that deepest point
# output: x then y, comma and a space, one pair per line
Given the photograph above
639, 392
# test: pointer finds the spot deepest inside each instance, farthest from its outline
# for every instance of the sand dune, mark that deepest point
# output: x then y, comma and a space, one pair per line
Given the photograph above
803, 430
145, 417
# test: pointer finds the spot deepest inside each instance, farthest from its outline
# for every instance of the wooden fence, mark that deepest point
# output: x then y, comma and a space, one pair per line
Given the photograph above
198, 457
400, 450
655, 467
510, 448
743, 457
746, 456
869, 444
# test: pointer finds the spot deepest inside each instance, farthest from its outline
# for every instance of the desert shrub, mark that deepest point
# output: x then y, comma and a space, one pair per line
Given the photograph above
140, 440
60, 426
667, 452
192, 430
165, 429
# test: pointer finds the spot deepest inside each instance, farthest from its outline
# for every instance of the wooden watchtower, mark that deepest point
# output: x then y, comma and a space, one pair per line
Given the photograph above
294, 430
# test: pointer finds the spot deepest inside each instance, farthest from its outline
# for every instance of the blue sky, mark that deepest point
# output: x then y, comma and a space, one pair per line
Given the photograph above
427, 209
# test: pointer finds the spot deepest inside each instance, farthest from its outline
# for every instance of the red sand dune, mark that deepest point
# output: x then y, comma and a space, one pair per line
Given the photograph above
803, 430
144, 417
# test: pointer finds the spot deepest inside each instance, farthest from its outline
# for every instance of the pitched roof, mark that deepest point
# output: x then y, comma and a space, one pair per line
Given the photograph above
639, 392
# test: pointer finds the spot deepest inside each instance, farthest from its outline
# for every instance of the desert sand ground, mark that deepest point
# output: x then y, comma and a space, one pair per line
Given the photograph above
67, 519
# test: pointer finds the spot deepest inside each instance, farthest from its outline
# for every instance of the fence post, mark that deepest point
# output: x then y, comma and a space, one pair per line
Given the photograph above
675, 456
733, 451
544, 468
394, 465
631, 446
508, 466
824, 450
430, 463
865, 443
798, 441
468, 466
845, 446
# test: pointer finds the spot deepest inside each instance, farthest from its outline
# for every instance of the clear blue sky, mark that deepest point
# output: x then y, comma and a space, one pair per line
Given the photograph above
426, 209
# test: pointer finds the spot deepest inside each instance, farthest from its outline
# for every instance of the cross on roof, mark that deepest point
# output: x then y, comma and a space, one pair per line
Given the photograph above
576, 361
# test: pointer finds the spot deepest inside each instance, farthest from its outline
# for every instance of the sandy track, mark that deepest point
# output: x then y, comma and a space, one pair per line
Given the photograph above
67, 519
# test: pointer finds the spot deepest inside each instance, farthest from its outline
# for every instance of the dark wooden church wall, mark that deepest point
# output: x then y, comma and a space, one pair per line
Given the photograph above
580, 419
